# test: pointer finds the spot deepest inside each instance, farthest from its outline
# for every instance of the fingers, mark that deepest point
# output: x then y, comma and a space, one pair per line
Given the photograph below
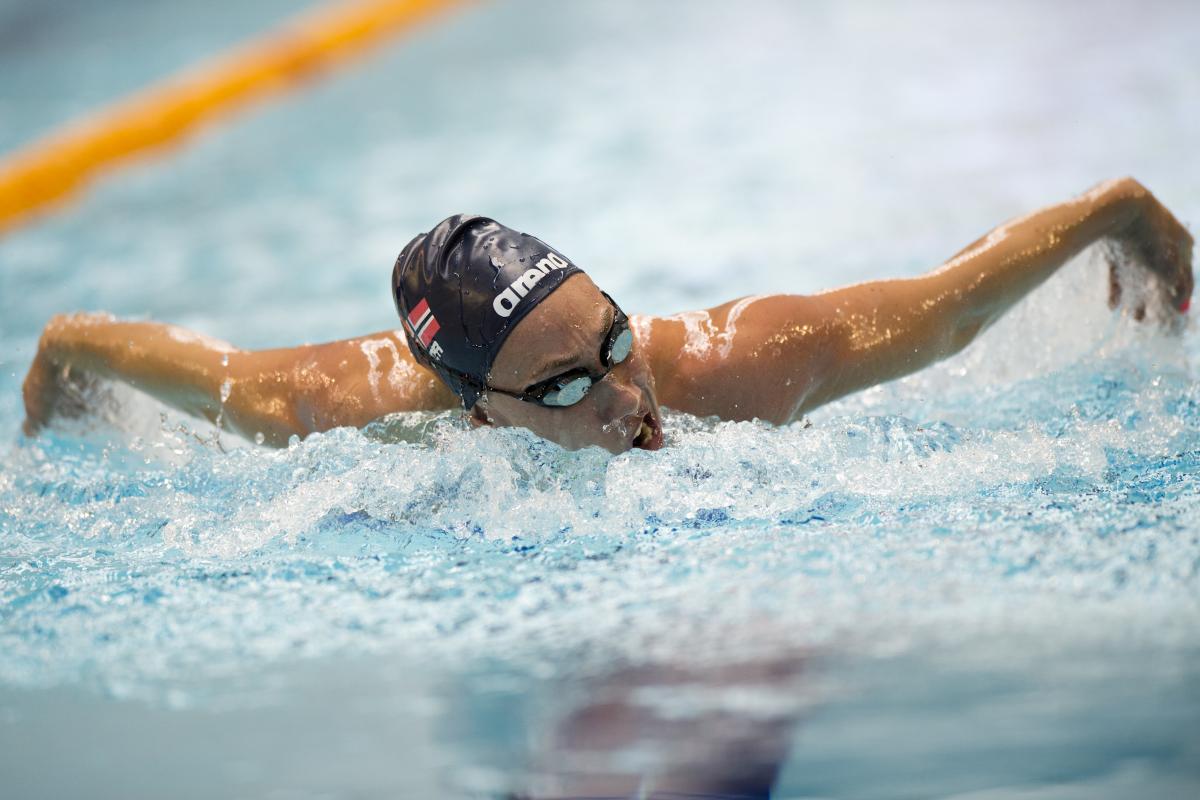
1164, 246
36, 405
1182, 293
73, 388
1185, 284
1143, 292
51, 390
1149, 259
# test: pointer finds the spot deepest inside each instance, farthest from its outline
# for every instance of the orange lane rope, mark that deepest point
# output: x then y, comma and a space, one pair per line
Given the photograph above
48, 170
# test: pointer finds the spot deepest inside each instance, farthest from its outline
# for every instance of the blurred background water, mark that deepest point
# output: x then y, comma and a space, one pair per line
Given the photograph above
977, 582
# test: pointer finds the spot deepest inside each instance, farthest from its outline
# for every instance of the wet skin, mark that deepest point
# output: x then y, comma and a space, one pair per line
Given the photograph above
565, 332
771, 357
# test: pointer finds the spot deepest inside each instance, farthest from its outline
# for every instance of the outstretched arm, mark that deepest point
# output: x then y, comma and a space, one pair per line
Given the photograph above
777, 357
274, 392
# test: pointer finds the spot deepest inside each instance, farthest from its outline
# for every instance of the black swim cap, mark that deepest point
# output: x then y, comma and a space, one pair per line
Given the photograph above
462, 287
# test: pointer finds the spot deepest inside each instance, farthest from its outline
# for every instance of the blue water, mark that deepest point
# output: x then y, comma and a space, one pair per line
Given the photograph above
981, 581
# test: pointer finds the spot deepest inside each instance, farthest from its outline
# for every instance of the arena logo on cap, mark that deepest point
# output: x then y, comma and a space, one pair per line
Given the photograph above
507, 300
423, 325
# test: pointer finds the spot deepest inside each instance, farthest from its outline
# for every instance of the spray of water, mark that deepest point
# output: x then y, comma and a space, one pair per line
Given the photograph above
1048, 472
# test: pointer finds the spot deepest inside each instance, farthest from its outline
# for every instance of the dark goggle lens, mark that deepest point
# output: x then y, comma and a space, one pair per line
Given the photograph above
621, 347
569, 393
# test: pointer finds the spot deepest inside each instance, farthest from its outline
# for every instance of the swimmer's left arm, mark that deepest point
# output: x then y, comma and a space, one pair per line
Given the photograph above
887, 329
777, 357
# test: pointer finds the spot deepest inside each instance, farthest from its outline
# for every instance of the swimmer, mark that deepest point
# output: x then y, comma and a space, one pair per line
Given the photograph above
511, 331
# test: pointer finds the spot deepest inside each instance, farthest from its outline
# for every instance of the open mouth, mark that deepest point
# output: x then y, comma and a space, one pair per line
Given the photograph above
649, 435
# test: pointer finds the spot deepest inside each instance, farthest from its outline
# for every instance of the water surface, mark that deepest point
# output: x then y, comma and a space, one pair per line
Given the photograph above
977, 582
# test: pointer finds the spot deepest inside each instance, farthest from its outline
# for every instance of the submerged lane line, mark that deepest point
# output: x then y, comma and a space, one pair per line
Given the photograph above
51, 168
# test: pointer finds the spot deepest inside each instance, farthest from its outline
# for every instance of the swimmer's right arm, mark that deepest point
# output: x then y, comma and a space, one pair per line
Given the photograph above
278, 393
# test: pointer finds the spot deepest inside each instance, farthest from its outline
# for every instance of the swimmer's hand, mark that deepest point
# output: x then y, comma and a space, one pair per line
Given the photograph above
54, 386
1152, 240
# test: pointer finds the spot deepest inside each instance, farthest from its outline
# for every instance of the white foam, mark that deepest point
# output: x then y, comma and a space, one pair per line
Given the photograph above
728, 335
698, 332
641, 326
400, 374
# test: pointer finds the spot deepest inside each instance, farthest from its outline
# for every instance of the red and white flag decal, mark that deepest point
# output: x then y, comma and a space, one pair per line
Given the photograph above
422, 323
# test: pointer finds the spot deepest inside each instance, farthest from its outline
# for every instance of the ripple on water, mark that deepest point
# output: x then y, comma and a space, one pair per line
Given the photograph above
892, 518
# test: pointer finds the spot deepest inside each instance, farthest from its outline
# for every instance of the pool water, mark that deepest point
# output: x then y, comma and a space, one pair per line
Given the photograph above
982, 581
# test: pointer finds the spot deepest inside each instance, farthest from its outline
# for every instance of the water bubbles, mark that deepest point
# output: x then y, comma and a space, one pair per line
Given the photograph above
1030, 469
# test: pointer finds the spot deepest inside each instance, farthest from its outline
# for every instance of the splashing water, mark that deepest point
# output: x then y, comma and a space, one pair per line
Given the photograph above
1019, 504
1010, 536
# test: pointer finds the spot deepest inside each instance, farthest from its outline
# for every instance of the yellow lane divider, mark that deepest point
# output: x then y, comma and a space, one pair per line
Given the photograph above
48, 170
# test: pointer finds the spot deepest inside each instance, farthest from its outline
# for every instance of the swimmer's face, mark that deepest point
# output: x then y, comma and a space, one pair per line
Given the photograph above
566, 332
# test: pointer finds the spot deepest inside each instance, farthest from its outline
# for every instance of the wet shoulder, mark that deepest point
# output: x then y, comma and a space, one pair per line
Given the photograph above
751, 357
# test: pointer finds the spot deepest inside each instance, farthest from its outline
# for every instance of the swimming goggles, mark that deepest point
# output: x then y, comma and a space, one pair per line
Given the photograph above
571, 387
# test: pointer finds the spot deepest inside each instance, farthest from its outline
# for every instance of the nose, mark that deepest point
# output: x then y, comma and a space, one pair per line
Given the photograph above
616, 399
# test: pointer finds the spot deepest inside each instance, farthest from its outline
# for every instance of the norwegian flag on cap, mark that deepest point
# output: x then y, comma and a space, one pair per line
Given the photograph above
422, 323
480, 278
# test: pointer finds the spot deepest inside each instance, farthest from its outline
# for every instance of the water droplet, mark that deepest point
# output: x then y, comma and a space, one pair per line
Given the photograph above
226, 389
259, 438
225, 360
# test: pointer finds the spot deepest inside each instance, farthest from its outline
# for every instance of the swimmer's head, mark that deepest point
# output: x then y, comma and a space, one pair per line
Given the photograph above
523, 336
